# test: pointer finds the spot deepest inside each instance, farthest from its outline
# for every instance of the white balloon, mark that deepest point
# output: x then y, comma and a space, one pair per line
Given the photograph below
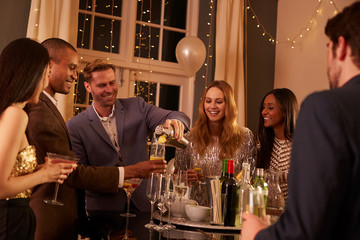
190, 54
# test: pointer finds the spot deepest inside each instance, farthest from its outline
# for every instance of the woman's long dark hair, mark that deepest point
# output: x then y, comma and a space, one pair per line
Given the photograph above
22, 64
289, 107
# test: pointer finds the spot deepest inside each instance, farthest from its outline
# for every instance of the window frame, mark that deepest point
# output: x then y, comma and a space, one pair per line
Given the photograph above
155, 71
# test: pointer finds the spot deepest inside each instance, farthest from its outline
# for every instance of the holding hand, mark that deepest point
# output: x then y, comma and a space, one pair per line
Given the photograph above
178, 127
144, 168
252, 225
56, 171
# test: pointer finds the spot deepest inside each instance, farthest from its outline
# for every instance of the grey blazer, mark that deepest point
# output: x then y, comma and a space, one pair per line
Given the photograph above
135, 118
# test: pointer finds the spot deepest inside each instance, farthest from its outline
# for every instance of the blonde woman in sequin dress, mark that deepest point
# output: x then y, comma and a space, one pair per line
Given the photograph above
278, 112
215, 136
23, 75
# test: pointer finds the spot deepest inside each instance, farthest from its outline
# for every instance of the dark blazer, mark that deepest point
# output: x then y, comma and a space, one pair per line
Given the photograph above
48, 133
134, 118
324, 180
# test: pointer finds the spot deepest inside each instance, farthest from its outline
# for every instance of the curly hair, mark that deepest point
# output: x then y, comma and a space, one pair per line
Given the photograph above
289, 107
231, 133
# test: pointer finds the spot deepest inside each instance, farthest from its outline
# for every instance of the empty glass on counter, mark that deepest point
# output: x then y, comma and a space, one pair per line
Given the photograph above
151, 193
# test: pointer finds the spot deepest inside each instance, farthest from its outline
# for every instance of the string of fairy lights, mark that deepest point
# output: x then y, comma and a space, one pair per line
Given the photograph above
300, 34
209, 35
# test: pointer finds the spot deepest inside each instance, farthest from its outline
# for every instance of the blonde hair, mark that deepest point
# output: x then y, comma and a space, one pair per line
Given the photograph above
231, 134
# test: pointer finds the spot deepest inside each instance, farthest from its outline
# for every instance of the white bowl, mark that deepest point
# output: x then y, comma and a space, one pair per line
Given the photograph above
178, 210
197, 213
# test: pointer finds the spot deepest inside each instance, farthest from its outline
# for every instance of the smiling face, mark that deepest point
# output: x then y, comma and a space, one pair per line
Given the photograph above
271, 112
214, 104
63, 73
103, 89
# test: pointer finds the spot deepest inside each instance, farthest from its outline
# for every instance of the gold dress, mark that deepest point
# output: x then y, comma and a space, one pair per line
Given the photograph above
16, 217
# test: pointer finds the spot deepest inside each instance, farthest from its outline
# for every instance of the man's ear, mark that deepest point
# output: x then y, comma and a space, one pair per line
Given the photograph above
341, 49
87, 86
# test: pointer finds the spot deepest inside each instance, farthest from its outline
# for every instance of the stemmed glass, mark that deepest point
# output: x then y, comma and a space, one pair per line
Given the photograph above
151, 193
161, 188
181, 181
129, 187
58, 158
170, 197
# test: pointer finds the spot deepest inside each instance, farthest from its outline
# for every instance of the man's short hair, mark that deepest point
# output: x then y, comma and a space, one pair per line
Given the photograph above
347, 25
97, 65
56, 47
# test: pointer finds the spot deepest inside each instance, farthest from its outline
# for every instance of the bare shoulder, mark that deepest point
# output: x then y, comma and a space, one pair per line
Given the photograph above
14, 115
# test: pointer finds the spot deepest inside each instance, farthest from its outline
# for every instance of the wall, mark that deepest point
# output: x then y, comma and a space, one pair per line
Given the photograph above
259, 58
303, 68
13, 20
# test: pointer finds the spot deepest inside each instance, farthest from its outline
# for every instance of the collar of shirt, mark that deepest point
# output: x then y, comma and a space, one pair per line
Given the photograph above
53, 100
104, 119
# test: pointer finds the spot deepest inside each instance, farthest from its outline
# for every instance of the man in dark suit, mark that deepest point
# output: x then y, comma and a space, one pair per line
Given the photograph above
113, 132
324, 195
47, 131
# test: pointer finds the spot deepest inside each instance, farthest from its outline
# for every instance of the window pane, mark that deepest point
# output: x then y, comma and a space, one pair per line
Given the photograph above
102, 35
155, 11
83, 38
146, 90
175, 13
169, 97
144, 45
170, 41
85, 5
80, 91
107, 7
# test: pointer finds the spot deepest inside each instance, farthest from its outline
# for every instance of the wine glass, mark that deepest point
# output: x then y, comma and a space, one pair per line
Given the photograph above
181, 181
170, 197
151, 193
58, 158
129, 187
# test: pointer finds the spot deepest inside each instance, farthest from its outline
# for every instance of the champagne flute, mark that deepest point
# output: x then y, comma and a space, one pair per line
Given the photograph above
170, 197
157, 151
151, 193
161, 187
181, 187
58, 158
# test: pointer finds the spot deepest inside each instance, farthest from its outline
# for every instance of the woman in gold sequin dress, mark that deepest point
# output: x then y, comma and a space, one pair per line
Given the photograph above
215, 136
278, 112
23, 75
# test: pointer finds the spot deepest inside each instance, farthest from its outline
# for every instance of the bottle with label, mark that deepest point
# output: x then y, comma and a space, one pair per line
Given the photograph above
167, 135
229, 194
260, 184
243, 193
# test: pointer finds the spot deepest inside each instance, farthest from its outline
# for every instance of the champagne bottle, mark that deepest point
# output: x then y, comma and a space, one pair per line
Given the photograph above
260, 184
229, 194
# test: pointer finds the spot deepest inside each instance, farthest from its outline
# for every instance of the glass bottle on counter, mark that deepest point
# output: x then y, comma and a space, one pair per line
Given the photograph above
224, 170
260, 184
243, 193
229, 194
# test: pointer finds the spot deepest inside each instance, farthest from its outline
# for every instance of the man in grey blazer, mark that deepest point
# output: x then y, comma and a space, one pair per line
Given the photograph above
324, 195
113, 132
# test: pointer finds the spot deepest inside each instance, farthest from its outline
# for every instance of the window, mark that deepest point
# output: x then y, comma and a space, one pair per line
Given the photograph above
140, 38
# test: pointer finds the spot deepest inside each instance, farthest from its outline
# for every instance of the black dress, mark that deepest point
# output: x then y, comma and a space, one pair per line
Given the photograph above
17, 220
